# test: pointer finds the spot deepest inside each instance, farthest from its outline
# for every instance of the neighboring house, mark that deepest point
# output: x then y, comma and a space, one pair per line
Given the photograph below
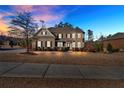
58, 38
116, 40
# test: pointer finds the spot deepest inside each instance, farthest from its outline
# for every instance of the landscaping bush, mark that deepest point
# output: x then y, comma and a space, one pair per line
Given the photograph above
65, 49
109, 48
1, 43
39, 49
11, 43
115, 50
98, 47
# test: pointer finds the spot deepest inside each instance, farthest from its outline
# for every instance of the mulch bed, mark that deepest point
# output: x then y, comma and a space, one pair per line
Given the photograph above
29, 53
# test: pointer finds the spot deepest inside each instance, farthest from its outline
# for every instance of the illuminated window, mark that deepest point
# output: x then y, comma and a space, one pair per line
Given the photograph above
39, 43
48, 43
60, 44
79, 35
44, 33
60, 35
73, 35
68, 36
73, 44
79, 44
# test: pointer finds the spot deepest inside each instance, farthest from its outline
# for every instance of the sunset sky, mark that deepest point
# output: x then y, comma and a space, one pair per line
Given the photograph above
101, 19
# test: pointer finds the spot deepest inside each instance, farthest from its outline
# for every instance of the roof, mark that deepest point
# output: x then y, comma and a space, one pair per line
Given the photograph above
64, 30
39, 31
119, 35
57, 30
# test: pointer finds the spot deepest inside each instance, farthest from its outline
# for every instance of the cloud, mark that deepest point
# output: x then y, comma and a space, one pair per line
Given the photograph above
4, 21
21, 8
47, 17
3, 27
51, 14
4, 14
47, 13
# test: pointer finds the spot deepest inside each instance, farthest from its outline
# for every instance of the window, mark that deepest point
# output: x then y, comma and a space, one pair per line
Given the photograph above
68, 45
60, 35
79, 35
38, 43
68, 36
60, 44
48, 43
73, 35
44, 33
79, 44
73, 44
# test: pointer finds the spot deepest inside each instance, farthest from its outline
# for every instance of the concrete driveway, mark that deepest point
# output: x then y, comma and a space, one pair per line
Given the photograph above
60, 71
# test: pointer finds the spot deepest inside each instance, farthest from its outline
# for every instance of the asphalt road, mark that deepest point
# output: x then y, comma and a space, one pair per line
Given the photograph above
12, 50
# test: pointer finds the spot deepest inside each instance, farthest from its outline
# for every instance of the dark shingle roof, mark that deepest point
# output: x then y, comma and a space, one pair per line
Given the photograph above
64, 30
118, 35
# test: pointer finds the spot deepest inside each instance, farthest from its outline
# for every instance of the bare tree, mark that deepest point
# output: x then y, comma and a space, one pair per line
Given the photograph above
25, 21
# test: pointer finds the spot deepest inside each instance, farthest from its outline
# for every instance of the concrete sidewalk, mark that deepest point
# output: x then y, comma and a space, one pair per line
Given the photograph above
8, 69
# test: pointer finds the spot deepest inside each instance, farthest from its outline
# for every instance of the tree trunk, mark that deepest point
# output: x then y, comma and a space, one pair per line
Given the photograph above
27, 41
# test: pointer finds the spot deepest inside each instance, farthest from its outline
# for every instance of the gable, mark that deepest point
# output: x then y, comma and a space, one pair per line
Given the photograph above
45, 33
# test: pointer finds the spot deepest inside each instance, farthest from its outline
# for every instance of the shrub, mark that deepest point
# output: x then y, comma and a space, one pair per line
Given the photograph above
115, 50
98, 47
65, 49
109, 48
1, 43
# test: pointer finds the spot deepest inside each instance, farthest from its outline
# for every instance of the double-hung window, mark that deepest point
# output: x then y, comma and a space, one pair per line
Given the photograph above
73, 35
73, 44
78, 35
79, 44
68, 36
48, 43
60, 44
60, 35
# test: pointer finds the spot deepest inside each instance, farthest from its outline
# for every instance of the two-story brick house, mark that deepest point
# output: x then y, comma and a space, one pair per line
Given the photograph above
58, 38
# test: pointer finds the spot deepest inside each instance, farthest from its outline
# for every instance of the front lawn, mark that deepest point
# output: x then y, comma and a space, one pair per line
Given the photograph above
83, 58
